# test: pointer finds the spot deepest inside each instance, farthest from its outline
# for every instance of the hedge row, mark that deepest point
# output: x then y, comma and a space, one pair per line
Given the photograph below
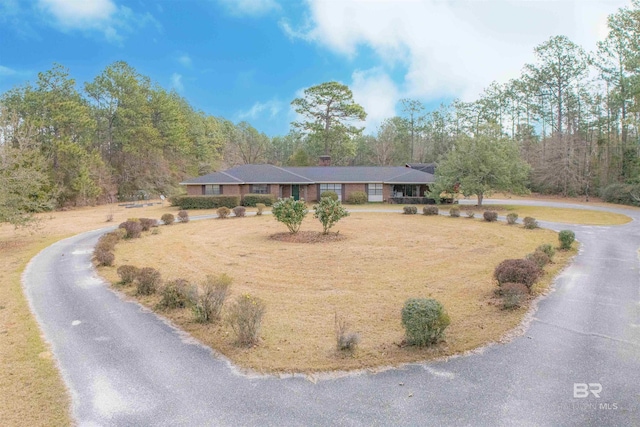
253, 199
205, 202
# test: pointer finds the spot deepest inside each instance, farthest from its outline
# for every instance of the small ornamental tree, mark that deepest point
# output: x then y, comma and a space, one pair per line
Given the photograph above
290, 212
329, 211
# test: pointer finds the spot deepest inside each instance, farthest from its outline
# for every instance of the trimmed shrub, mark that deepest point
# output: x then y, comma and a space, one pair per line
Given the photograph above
260, 207
223, 212
104, 257
183, 216
245, 318
454, 212
239, 211
168, 218
205, 202
530, 223
329, 211
430, 210
517, 271
133, 229
540, 258
120, 232
424, 320
148, 280
108, 242
345, 340
253, 199
490, 216
512, 217
290, 212
513, 295
470, 213
207, 303
127, 273
548, 249
566, 238
175, 294
148, 223
410, 210
331, 194
358, 198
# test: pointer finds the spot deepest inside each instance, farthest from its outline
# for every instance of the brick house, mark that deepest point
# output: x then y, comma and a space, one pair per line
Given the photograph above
402, 184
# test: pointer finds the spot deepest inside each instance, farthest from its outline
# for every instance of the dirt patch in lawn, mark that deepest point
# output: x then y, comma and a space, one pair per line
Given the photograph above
386, 259
308, 237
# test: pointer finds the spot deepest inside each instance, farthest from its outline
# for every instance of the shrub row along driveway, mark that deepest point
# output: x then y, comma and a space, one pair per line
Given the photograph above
125, 366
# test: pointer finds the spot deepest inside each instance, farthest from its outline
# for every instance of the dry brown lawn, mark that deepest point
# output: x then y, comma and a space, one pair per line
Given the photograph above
384, 259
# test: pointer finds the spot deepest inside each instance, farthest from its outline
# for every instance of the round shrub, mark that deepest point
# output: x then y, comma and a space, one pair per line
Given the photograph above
133, 229
108, 242
513, 295
530, 223
358, 198
259, 208
454, 212
512, 217
104, 257
127, 273
168, 218
430, 210
331, 194
548, 249
175, 294
148, 223
183, 216
470, 213
410, 210
517, 271
239, 211
540, 258
490, 216
223, 212
424, 321
148, 280
566, 238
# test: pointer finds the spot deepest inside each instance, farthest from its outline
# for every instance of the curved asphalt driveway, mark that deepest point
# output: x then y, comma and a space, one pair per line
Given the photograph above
125, 366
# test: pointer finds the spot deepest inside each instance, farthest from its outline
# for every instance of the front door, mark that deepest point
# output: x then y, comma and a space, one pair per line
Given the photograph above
295, 192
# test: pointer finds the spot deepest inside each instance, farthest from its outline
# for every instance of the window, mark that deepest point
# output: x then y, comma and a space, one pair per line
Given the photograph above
375, 189
336, 188
212, 190
260, 189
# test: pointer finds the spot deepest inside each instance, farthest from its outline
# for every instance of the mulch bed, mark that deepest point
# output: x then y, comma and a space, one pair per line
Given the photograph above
308, 237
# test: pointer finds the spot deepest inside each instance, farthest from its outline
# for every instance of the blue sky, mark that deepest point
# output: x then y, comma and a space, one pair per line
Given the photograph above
247, 59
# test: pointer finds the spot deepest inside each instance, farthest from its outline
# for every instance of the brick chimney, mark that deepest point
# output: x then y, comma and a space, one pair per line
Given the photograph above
325, 161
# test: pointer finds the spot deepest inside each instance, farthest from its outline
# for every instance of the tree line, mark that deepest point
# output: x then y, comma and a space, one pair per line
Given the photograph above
571, 115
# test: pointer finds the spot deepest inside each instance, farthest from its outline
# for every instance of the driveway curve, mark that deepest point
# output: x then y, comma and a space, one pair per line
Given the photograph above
125, 366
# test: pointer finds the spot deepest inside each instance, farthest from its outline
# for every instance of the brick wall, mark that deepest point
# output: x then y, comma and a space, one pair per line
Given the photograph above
386, 192
286, 191
231, 190
275, 190
350, 188
312, 192
195, 190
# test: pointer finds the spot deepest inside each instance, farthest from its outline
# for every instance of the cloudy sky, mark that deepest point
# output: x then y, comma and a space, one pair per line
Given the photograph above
247, 59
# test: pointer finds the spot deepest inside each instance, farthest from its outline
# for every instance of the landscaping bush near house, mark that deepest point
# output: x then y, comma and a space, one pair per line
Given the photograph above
331, 194
205, 202
410, 210
127, 273
175, 294
223, 212
424, 320
207, 303
548, 249
104, 257
357, 198
260, 208
345, 340
253, 199
512, 217
148, 280
490, 216
183, 216
245, 318
148, 223
430, 210
530, 223
168, 218
133, 229
513, 295
239, 211
470, 213
329, 211
454, 212
539, 257
517, 271
290, 212
566, 238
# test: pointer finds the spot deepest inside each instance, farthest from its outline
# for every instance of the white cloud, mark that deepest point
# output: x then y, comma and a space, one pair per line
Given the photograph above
185, 60
249, 7
6, 71
176, 82
258, 109
451, 48
377, 93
